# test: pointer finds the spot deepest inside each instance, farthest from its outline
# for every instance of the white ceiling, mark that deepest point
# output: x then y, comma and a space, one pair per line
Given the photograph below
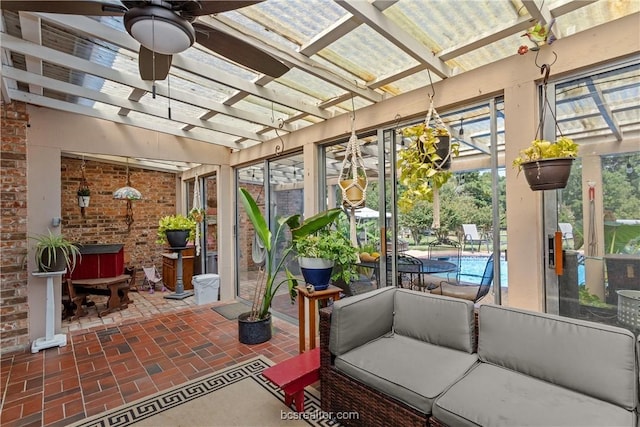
343, 54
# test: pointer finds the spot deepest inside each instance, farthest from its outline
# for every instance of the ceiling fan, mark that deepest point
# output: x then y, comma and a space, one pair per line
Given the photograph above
164, 28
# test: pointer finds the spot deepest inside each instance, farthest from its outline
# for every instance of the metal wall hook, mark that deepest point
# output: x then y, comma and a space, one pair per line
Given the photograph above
433, 89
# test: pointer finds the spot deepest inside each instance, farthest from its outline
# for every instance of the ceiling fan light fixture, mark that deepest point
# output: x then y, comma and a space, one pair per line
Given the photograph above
159, 29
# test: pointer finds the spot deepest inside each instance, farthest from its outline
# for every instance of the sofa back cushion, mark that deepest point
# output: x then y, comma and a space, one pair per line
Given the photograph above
359, 319
591, 358
438, 320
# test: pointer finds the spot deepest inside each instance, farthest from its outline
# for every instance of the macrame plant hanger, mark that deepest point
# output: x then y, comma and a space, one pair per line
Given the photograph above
197, 212
353, 177
438, 125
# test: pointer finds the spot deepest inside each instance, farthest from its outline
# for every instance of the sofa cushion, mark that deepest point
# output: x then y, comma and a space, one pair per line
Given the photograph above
409, 370
590, 358
435, 319
361, 318
493, 396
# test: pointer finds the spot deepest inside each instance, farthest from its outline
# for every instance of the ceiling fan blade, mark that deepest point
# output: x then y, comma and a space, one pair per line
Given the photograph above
90, 8
239, 51
212, 7
145, 64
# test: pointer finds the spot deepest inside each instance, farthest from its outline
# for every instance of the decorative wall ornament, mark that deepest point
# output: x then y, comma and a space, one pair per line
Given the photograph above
129, 194
83, 193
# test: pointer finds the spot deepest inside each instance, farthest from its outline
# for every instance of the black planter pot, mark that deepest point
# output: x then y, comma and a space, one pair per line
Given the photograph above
548, 174
442, 150
253, 331
50, 261
177, 238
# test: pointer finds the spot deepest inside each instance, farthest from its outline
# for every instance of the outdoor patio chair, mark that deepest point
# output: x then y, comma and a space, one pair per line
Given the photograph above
472, 237
152, 278
468, 290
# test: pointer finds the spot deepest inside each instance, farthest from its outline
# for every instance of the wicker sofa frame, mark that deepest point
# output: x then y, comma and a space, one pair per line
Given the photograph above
340, 393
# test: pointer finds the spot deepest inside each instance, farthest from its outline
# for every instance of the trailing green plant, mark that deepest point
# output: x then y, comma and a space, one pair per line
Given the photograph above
587, 298
331, 245
419, 165
175, 222
278, 256
50, 246
542, 149
84, 192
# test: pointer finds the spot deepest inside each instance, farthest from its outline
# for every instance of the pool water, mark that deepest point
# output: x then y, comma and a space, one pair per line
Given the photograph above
472, 268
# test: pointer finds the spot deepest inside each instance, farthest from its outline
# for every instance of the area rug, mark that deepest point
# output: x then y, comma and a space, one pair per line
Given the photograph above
231, 311
236, 396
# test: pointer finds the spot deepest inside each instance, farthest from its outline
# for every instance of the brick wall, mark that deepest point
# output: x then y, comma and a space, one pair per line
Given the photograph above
104, 219
14, 322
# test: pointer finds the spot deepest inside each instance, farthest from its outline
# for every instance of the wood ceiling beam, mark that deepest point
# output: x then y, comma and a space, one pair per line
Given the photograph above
55, 104
31, 31
75, 90
92, 28
375, 19
71, 61
296, 59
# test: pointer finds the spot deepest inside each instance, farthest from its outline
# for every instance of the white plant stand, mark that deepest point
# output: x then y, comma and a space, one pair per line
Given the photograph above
51, 339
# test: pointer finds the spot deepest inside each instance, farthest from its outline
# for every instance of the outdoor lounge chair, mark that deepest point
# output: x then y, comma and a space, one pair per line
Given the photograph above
467, 290
152, 278
472, 237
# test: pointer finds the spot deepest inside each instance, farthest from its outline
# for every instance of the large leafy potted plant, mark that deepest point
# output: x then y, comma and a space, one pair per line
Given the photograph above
324, 256
176, 230
547, 165
55, 253
254, 327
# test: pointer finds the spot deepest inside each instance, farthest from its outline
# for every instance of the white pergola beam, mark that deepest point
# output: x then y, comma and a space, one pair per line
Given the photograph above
375, 19
55, 104
71, 89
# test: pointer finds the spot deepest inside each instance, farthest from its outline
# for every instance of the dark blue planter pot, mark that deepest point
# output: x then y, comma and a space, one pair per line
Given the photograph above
316, 272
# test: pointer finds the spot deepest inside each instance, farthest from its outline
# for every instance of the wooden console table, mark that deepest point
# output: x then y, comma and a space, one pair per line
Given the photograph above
332, 292
117, 288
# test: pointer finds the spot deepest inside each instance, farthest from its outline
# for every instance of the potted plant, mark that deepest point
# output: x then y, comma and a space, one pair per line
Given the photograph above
547, 166
55, 253
324, 256
84, 195
176, 230
423, 165
254, 327
353, 189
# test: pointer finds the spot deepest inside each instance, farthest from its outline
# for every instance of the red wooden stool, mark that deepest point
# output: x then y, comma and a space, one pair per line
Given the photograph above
294, 374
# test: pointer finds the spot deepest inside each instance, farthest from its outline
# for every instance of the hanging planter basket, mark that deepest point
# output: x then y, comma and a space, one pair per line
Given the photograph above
353, 192
443, 150
548, 174
83, 201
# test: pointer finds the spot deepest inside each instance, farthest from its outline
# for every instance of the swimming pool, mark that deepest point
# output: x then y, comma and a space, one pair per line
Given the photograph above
472, 268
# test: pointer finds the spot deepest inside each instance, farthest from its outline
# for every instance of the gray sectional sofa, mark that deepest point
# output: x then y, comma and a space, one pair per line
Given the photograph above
401, 357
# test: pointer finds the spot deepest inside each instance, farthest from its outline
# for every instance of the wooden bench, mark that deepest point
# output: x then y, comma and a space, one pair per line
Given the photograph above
117, 288
294, 374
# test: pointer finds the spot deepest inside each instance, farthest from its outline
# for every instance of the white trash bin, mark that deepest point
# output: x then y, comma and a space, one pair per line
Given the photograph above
205, 288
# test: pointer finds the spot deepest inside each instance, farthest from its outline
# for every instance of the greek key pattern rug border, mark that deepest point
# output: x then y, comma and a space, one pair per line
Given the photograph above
147, 407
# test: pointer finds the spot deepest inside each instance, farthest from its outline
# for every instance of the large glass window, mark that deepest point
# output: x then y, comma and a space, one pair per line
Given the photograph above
599, 210
281, 197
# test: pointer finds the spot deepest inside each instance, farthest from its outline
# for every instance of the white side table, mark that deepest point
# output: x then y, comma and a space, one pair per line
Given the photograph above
51, 339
